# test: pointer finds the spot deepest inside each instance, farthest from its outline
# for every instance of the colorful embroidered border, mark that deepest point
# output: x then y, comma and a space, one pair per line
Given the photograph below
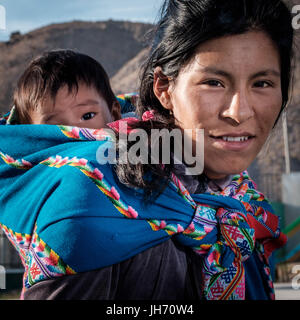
18, 164
44, 263
86, 134
39, 260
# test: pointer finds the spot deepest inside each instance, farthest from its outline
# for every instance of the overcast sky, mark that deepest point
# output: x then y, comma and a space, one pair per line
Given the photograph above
26, 15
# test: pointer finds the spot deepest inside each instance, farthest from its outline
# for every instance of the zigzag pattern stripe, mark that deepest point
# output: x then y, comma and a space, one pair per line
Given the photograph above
18, 164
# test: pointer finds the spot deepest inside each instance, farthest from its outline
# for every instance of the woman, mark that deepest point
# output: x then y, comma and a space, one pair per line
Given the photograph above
221, 66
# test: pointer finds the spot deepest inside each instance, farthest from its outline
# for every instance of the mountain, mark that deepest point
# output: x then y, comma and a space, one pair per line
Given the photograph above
127, 78
112, 43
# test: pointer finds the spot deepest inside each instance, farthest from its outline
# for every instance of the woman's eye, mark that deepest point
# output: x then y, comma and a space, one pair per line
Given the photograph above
213, 83
88, 116
262, 84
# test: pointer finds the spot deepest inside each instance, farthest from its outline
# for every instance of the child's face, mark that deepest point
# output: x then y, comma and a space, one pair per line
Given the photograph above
84, 108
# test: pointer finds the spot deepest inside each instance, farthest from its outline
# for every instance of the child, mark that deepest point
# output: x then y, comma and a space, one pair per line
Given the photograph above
67, 88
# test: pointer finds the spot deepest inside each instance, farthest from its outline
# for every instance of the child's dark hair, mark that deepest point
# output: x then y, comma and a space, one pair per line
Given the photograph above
53, 70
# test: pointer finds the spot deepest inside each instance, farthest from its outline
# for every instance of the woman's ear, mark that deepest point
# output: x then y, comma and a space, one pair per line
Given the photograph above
161, 88
116, 111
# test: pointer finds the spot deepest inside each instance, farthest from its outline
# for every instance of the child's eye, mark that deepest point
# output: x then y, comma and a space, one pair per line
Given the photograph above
88, 116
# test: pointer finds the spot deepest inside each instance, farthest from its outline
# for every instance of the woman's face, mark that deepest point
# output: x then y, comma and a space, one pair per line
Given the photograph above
232, 90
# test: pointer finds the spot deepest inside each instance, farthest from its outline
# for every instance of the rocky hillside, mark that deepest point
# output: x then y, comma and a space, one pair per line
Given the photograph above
127, 78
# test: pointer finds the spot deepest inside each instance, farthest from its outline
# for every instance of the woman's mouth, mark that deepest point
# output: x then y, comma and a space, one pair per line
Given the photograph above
233, 141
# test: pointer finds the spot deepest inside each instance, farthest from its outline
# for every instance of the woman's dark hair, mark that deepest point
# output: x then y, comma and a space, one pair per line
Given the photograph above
53, 70
183, 26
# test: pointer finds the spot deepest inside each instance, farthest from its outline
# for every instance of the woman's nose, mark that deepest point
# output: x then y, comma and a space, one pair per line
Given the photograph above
239, 108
